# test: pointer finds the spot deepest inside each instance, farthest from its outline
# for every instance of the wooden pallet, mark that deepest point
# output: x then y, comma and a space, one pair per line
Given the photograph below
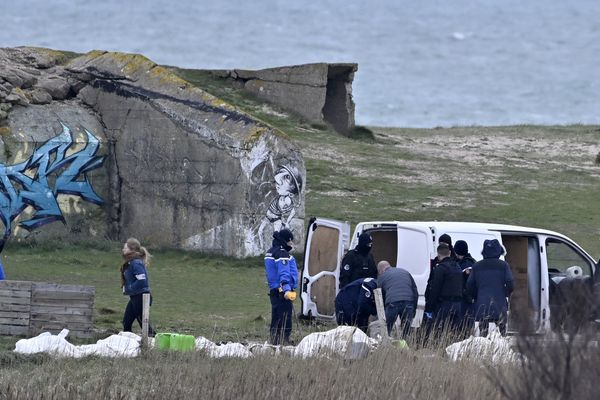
29, 308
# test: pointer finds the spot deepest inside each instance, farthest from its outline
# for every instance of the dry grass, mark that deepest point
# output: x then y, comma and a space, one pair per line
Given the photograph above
388, 373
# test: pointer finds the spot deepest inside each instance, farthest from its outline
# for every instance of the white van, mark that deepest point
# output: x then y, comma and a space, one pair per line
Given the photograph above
539, 260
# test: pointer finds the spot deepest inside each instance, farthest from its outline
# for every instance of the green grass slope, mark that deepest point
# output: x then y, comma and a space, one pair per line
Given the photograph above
537, 176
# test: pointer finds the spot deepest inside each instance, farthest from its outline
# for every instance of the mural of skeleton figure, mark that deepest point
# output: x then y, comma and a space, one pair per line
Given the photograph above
282, 209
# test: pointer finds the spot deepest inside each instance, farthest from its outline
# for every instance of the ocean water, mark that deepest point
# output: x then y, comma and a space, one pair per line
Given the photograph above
422, 63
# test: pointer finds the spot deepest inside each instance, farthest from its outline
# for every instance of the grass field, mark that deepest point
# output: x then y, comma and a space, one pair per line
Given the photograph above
545, 177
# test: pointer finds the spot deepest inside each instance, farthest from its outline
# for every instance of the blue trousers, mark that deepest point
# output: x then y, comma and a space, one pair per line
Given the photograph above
281, 319
403, 309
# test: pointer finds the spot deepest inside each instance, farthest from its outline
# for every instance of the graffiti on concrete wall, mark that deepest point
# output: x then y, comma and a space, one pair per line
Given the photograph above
55, 168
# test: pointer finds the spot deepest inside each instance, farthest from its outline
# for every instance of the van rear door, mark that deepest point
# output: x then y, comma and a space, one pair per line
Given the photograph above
415, 246
405, 245
326, 242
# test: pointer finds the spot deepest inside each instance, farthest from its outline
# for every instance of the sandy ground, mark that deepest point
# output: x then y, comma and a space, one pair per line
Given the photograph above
475, 157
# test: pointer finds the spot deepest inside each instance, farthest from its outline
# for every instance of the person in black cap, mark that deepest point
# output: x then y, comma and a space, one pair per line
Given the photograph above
490, 283
358, 263
282, 277
465, 262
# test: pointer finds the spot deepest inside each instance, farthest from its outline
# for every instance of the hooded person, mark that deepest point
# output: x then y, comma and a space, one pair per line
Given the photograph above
490, 283
358, 263
282, 278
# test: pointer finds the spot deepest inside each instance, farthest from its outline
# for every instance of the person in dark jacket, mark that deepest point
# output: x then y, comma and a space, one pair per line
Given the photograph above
490, 283
282, 278
358, 263
400, 295
446, 290
134, 281
355, 303
465, 262
445, 238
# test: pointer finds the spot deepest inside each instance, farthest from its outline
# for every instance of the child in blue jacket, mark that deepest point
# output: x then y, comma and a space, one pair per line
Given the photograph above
134, 281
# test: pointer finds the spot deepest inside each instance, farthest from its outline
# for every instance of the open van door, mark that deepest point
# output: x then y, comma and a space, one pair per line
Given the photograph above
406, 245
326, 242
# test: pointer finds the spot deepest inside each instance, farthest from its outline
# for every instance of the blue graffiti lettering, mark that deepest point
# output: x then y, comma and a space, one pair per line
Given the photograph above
19, 190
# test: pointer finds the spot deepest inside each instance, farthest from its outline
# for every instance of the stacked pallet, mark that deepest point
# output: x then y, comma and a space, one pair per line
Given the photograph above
28, 308
15, 307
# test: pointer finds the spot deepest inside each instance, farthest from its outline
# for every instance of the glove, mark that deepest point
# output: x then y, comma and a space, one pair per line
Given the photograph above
291, 296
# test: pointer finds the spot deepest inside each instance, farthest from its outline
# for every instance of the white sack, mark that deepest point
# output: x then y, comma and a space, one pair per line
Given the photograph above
345, 341
45, 342
494, 348
203, 343
125, 344
229, 350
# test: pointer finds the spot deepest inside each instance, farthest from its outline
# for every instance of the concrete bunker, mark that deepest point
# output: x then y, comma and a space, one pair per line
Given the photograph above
321, 92
161, 159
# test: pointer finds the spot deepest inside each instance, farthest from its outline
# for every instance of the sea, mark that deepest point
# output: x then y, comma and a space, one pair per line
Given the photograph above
421, 63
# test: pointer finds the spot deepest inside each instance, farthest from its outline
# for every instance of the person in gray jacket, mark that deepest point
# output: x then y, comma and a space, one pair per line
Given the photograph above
400, 295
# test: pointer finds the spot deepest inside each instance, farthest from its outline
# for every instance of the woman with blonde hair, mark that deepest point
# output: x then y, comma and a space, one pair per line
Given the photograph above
134, 281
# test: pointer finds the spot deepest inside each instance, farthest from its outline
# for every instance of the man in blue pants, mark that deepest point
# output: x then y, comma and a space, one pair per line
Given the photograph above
282, 277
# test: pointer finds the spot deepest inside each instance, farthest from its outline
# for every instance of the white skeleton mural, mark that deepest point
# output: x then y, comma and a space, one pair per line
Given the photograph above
288, 185
285, 198
279, 183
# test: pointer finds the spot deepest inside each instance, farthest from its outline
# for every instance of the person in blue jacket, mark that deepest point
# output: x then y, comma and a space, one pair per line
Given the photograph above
490, 283
282, 277
355, 303
134, 281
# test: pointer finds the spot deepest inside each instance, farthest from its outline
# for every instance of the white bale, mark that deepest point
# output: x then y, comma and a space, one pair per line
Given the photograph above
494, 348
345, 341
45, 342
125, 344
230, 350
263, 349
203, 343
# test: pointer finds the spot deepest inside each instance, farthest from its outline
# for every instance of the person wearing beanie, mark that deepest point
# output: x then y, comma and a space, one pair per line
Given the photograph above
282, 278
465, 262
358, 263
490, 283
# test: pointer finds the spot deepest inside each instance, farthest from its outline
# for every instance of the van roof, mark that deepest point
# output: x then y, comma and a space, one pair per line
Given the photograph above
469, 226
